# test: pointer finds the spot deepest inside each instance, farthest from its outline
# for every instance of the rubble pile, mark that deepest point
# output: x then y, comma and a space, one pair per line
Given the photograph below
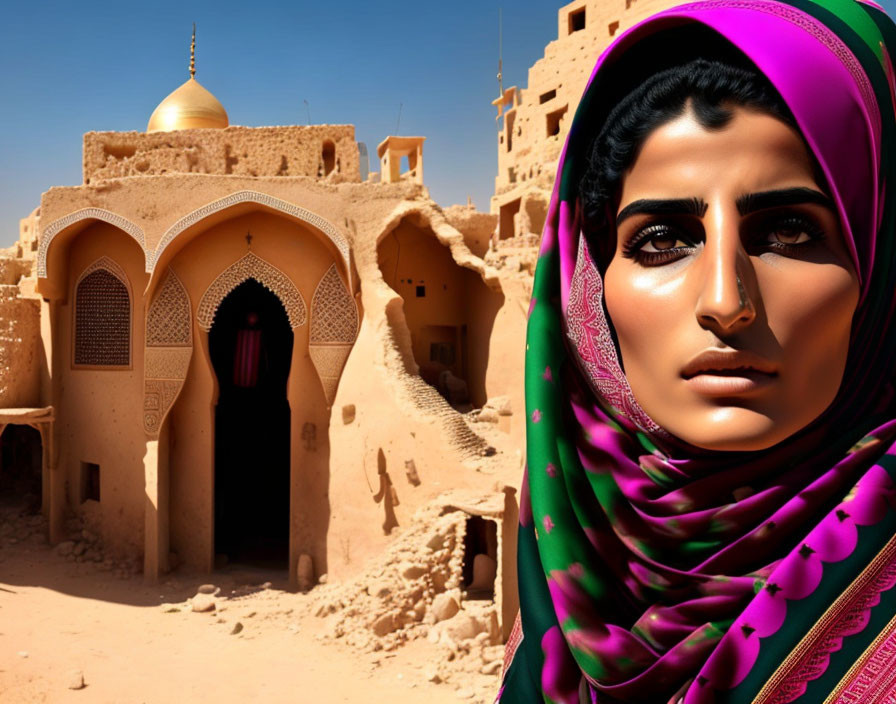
19, 526
414, 592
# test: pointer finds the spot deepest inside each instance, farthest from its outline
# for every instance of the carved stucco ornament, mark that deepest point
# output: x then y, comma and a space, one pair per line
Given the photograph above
169, 347
254, 267
334, 329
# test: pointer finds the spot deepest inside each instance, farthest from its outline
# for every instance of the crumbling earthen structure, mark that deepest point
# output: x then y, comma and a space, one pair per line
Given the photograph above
226, 346
533, 121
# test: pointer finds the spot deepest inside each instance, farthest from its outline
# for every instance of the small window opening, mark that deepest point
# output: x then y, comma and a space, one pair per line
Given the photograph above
511, 174
509, 127
480, 566
90, 482
328, 155
545, 97
553, 120
577, 20
614, 27
421, 291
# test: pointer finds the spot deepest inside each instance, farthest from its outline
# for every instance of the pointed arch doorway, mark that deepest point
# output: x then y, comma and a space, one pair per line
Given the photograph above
250, 344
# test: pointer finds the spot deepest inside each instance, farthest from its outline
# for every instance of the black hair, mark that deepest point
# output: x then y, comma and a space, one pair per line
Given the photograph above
712, 88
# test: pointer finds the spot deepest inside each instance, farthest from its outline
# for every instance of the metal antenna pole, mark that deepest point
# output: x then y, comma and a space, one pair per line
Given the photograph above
500, 53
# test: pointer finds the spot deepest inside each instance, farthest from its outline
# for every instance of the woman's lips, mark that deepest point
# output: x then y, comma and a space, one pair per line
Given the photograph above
726, 372
729, 382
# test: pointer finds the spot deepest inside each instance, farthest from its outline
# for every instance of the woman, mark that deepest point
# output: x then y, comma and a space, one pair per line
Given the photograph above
708, 508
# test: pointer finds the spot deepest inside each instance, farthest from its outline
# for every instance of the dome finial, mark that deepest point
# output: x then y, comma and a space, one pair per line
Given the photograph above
193, 53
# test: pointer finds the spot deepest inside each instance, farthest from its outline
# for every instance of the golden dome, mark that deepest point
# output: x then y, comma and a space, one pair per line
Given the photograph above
188, 107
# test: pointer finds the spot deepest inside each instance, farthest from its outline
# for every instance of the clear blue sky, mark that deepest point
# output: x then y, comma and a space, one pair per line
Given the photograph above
68, 68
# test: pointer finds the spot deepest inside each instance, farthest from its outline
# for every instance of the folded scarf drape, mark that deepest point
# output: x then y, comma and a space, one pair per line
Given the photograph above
650, 570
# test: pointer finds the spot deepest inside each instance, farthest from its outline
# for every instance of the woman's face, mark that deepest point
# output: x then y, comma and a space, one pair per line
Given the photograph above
731, 289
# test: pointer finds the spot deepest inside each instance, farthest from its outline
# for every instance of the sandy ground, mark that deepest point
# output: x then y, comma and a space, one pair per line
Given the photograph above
143, 644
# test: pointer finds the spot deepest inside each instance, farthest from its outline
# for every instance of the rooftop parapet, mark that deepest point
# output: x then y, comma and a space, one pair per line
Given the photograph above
315, 151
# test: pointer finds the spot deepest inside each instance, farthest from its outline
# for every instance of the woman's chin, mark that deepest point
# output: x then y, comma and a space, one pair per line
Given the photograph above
731, 429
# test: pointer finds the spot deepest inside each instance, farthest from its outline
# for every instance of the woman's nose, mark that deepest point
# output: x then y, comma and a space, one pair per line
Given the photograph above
727, 290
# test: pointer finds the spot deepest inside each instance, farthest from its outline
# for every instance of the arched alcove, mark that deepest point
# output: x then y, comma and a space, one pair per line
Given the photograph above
449, 311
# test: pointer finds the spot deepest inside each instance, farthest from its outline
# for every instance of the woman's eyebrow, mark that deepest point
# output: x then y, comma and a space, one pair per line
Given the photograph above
656, 206
751, 202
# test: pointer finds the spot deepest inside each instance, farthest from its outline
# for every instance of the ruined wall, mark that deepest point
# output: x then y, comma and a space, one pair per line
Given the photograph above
315, 151
476, 227
21, 355
531, 135
444, 305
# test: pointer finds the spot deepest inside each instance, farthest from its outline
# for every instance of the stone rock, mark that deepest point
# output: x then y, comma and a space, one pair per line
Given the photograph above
491, 668
464, 627
431, 672
409, 570
420, 609
80, 549
203, 603
305, 572
348, 413
207, 589
379, 588
93, 555
76, 679
322, 579
384, 625
436, 542
237, 627
501, 404
487, 415
88, 536
65, 548
444, 606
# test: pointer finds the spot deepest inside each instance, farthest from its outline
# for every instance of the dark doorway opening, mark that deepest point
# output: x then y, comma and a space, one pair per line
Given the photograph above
250, 345
480, 566
21, 476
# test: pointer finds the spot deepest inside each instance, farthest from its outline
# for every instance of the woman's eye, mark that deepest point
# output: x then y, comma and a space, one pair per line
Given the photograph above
658, 244
791, 232
663, 243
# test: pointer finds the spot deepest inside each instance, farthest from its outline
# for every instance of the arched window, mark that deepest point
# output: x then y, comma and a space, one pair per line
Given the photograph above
102, 317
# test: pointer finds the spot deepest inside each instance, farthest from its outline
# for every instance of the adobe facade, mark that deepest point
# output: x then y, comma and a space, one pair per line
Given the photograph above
533, 121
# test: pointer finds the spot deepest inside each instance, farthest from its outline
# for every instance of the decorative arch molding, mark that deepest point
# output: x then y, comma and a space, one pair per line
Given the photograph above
169, 347
264, 199
57, 226
109, 265
252, 266
334, 329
